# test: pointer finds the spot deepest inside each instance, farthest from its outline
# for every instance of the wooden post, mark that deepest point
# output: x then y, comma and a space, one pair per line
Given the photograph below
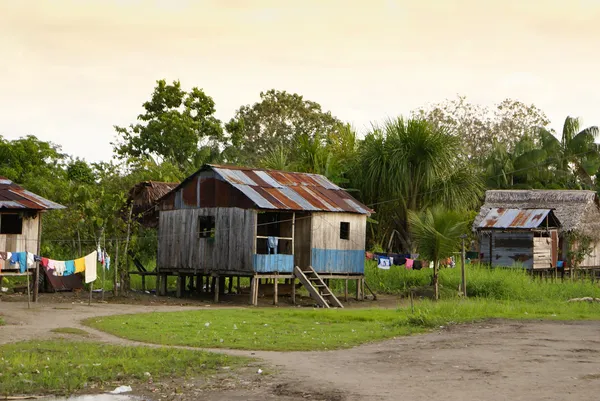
230, 286
256, 288
275, 290
362, 289
213, 280
293, 281
28, 293
36, 282
346, 290
37, 269
216, 282
116, 270
222, 285
252, 287
180, 285
237, 287
463, 277
91, 290
358, 289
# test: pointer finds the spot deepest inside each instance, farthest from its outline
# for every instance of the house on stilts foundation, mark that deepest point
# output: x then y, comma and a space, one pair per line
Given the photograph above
231, 222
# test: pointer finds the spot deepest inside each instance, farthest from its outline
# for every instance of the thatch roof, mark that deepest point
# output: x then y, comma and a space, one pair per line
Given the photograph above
576, 210
144, 195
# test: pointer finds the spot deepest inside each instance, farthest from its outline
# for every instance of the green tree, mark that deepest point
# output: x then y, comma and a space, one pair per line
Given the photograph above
410, 165
176, 126
278, 120
437, 233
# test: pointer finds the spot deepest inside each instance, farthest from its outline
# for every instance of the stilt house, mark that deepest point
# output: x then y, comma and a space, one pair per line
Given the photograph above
235, 221
538, 228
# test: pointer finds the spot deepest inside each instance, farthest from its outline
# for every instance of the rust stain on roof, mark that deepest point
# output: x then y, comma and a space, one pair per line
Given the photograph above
514, 218
271, 189
13, 196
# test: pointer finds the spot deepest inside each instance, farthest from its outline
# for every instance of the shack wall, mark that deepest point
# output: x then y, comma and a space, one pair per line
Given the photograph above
230, 251
542, 253
302, 240
27, 241
332, 254
507, 249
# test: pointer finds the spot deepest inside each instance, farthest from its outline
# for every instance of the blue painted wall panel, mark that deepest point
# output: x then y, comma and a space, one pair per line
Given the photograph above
273, 263
338, 261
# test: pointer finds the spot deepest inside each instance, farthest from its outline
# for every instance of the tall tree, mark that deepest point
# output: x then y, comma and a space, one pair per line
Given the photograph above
480, 127
176, 126
279, 119
412, 165
437, 234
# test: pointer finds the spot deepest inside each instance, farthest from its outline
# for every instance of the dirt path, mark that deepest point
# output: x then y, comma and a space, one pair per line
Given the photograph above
497, 360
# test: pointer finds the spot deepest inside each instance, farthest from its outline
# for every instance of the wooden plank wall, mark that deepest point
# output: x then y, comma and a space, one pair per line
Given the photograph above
512, 248
326, 231
27, 241
180, 249
302, 240
542, 253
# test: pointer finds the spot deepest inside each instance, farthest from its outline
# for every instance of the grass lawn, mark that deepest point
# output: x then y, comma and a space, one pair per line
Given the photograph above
42, 367
297, 329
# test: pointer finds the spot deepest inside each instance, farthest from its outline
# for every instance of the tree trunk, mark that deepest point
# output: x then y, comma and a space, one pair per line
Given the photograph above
436, 287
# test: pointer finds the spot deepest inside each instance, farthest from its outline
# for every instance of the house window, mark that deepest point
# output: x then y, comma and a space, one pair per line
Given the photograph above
206, 226
11, 224
344, 230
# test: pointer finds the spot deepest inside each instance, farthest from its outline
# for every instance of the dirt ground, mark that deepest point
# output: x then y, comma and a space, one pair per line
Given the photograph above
495, 360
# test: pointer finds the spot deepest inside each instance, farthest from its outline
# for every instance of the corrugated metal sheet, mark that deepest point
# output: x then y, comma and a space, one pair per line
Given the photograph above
514, 218
281, 190
12, 196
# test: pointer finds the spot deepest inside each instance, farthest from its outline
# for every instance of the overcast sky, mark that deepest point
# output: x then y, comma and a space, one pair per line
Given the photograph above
71, 69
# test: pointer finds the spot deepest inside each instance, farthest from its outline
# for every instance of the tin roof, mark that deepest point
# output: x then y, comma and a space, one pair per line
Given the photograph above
12, 196
283, 190
516, 218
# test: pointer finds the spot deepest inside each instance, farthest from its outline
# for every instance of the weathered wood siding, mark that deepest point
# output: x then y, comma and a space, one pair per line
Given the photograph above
180, 248
542, 253
302, 234
27, 241
514, 248
593, 259
330, 253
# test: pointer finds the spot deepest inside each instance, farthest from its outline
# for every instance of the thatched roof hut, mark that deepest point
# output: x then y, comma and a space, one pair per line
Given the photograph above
576, 210
143, 196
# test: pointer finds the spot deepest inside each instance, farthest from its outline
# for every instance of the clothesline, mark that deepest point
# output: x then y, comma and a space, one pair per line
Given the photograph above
86, 264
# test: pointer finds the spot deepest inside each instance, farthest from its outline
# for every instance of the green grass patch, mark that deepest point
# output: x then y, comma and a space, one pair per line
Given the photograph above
497, 283
70, 330
296, 329
64, 367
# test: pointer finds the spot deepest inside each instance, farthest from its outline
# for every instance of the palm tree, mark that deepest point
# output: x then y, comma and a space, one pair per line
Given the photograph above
576, 152
410, 165
437, 232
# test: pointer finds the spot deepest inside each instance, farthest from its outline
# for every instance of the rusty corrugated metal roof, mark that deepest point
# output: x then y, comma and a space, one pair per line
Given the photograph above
12, 196
514, 218
271, 189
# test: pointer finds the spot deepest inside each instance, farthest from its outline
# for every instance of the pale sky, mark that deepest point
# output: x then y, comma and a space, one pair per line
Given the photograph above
70, 70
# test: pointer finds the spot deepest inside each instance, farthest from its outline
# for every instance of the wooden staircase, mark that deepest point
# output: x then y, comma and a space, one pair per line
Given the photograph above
317, 288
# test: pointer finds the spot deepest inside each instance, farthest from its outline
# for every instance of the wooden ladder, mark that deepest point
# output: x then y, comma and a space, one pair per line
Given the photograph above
318, 290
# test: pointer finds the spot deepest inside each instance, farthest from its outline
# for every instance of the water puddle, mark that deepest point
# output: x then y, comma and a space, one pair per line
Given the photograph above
95, 397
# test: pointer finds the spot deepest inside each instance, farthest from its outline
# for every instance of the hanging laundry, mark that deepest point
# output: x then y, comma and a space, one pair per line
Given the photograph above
79, 265
59, 267
384, 263
107, 262
69, 267
272, 243
30, 260
91, 264
19, 261
44, 262
2, 255
100, 254
409, 263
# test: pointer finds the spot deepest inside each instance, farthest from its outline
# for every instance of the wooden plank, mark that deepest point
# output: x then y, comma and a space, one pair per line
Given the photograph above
275, 289
310, 288
293, 280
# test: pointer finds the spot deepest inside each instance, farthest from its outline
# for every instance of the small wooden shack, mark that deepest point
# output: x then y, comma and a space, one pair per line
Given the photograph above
538, 214
21, 224
227, 221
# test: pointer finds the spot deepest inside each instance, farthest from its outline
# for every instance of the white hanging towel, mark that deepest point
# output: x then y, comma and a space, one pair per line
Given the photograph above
91, 261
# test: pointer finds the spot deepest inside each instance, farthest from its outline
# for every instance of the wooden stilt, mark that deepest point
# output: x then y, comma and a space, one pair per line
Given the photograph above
36, 282
217, 282
362, 289
256, 288
252, 287
91, 290
180, 285
230, 286
237, 287
275, 289
357, 289
346, 290
28, 293
221, 285
212, 284
293, 281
